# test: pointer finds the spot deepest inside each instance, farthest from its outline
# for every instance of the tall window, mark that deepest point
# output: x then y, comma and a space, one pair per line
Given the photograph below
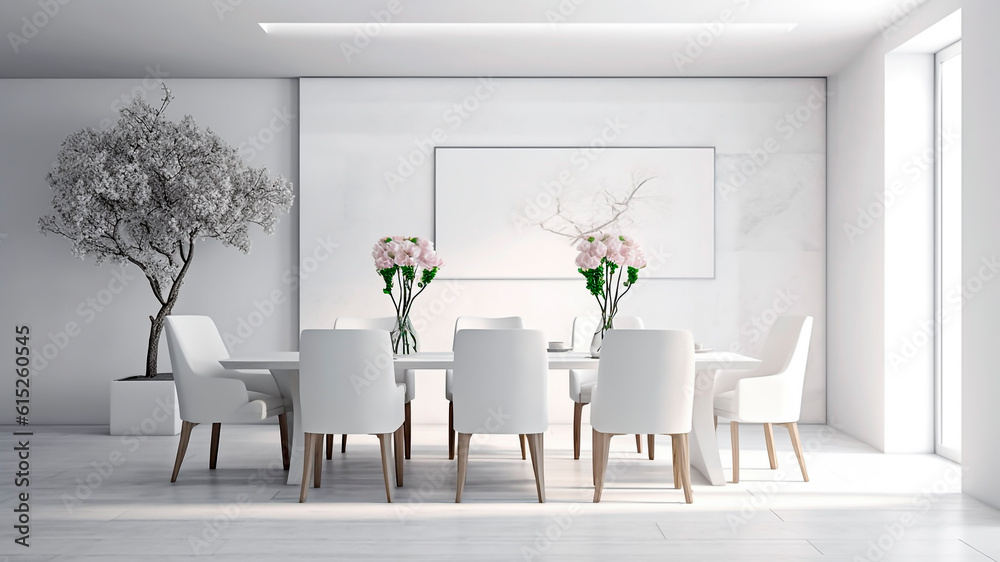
951, 290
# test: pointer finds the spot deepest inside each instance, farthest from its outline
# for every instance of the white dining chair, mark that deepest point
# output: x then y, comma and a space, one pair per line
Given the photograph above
475, 323
209, 393
405, 377
772, 393
347, 385
582, 381
500, 387
645, 384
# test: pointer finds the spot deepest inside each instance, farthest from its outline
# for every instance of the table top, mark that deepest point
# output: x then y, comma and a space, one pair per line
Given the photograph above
289, 360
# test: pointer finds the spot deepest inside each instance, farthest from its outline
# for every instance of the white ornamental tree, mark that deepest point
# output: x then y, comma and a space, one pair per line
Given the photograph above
148, 189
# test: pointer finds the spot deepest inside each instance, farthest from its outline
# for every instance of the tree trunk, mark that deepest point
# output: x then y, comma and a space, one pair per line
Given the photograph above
155, 329
156, 324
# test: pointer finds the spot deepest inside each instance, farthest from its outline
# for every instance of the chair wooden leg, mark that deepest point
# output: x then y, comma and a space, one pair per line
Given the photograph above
463, 463
398, 447
451, 430
407, 430
577, 422
595, 451
524, 451
385, 464
536, 442
734, 431
317, 459
638, 443
286, 456
650, 444
603, 441
769, 438
685, 462
793, 432
213, 457
182, 446
307, 467
329, 446
343, 443
675, 450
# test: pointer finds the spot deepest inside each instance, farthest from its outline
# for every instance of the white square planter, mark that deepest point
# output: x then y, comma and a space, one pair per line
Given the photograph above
144, 407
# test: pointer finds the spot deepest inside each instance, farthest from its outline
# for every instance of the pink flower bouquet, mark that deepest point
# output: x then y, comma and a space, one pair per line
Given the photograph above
399, 260
603, 260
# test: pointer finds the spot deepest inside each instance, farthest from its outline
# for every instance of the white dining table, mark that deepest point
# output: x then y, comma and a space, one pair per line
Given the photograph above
705, 457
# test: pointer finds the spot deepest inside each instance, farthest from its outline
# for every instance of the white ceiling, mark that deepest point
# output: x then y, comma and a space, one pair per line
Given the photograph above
222, 38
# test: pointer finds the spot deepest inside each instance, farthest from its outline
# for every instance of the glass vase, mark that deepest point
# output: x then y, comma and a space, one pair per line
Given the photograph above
404, 338
595, 343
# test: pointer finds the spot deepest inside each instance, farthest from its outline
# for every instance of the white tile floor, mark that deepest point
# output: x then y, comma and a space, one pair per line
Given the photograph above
860, 505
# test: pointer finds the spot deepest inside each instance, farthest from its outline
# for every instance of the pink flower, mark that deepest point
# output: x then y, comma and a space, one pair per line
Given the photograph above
587, 261
598, 249
431, 260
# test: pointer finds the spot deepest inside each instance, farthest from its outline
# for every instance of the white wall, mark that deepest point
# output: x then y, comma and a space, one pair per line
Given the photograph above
873, 285
770, 231
857, 335
44, 286
909, 258
980, 239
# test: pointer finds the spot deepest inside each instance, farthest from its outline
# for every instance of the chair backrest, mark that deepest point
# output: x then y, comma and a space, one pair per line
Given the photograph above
387, 323
195, 349
785, 354
583, 332
346, 382
645, 382
501, 381
484, 323
787, 346
584, 328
